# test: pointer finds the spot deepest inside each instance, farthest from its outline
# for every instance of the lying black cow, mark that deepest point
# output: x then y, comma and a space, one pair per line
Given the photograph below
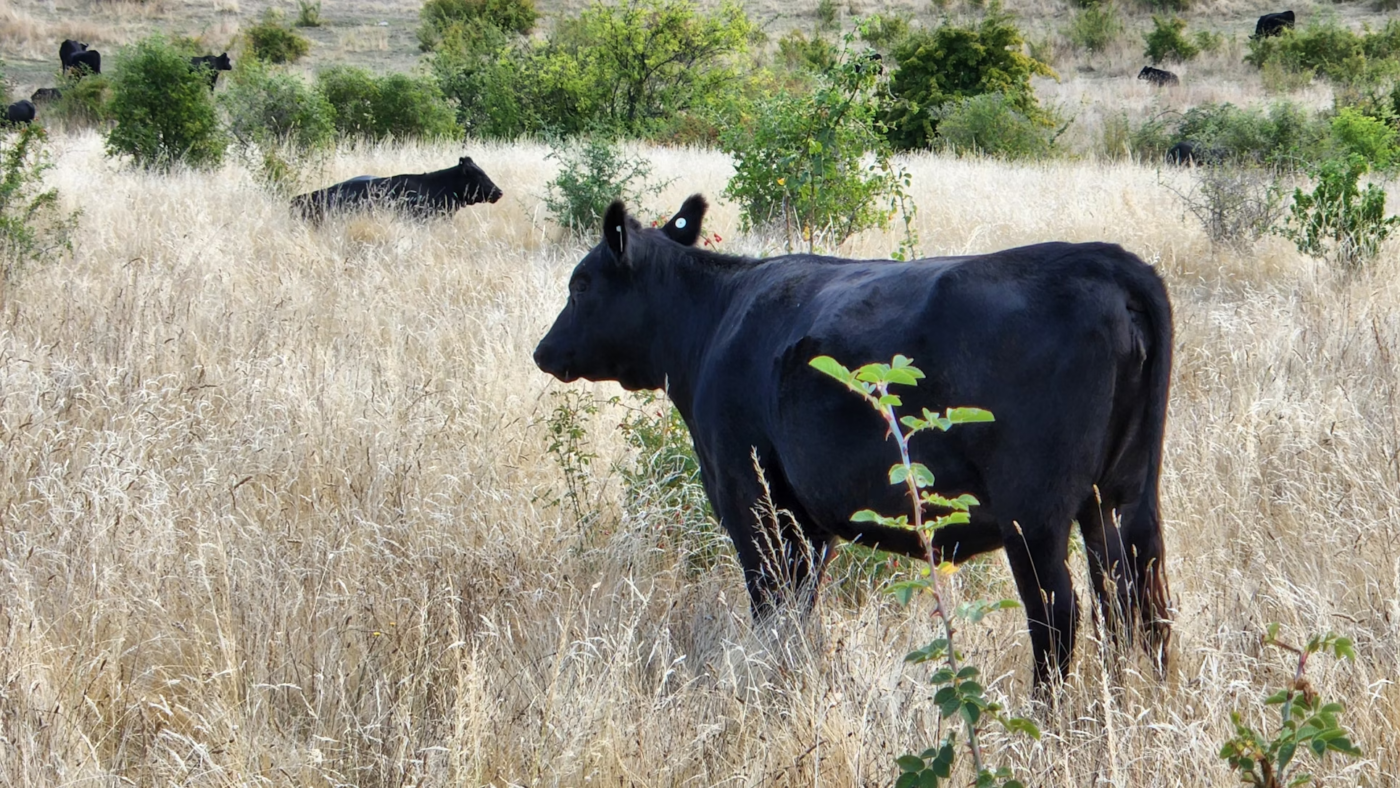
21, 111
443, 191
1158, 77
46, 94
1190, 152
1069, 346
1273, 24
214, 64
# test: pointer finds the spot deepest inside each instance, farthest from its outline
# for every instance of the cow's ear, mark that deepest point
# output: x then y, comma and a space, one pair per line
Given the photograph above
615, 231
684, 227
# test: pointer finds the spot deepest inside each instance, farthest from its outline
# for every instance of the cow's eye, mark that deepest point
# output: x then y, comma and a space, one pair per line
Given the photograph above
579, 285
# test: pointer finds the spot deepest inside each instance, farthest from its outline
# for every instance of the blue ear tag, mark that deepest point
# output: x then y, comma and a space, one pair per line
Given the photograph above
680, 223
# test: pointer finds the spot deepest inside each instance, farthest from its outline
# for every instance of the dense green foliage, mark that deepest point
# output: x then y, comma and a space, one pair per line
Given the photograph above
814, 162
1168, 42
32, 226
266, 106
439, 17
990, 124
1326, 48
1338, 220
394, 105
952, 63
593, 171
163, 111
273, 41
1095, 26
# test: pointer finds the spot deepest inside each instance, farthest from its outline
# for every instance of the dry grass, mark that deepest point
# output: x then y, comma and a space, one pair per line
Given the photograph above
270, 509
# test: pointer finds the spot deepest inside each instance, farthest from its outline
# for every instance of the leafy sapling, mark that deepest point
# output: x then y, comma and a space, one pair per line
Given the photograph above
1307, 723
960, 694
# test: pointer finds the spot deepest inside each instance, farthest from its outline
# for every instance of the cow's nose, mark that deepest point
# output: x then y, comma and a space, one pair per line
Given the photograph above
495, 195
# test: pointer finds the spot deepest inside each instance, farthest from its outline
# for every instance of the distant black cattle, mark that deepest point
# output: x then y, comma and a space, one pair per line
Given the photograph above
88, 59
1068, 345
1189, 152
46, 94
1158, 77
67, 50
443, 191
214, 64
21, 111
1273, 24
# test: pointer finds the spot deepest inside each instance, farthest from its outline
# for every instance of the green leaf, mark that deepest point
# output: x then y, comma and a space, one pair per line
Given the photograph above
899, 474
872, 373
907, 780
831, 367
968, 415
1343, 649
890, 401
910, 763
1277, 697
923, 477
1023, 725
905, 590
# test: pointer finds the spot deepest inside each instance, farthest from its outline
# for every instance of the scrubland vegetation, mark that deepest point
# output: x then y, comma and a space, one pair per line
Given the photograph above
292, 506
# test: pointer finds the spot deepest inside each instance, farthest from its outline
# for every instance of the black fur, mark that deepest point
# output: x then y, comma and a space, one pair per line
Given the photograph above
1273, 24
1158, 77
214, 64
443, 191
21, 111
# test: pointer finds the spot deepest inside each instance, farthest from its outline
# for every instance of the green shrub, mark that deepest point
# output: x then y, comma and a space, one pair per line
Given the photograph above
814, 162
397, 105
163, 110
1095, 27
266, 107
883, 32
308, 13
85, 102
438, 17
797, 51
482, 71
33, 229
1168, 41
1327, 48
1283, 135
1373, 139
933, 68
826, 14
272, 41
594, 171
988, 124
1338, 220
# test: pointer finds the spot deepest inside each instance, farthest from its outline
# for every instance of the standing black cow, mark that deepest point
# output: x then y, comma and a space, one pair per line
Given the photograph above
86, 60
1158, 77
21, 111
215, 64
1273, 24
67, 50
1190, 153
443, 191
1069, 346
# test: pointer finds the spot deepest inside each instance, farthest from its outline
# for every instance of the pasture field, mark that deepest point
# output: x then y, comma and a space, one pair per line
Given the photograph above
274, 507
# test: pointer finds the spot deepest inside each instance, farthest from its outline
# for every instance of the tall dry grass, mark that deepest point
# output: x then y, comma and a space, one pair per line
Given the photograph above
271, 508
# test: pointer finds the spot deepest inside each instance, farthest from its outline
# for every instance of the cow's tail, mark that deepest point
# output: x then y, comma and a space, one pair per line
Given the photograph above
1142, 533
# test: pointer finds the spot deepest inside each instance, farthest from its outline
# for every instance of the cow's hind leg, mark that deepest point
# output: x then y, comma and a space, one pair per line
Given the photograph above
1145, 555
1037, 552
1109, 571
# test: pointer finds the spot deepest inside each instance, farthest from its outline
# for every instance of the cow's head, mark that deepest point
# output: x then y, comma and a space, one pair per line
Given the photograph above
222, 63
476, 186
605, 330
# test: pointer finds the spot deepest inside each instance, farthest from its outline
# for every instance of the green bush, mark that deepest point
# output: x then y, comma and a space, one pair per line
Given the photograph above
33, 229
1094, 27
1168, 41
797, 51
1284, 134
883, 32
1338, 220
989, 125
1327, 48
397, 105
272, 41
163, 111
266, 107
308, 13
479, 68
594, 171
438, 17
814, 162
933, 68
1373, 139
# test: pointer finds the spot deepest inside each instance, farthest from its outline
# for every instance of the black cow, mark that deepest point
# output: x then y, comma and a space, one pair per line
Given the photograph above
443, 191
88, 59
1273, 24
1191, 153
1158, 77
21, 111
1069, 346
67, 50
46, 94
214, 64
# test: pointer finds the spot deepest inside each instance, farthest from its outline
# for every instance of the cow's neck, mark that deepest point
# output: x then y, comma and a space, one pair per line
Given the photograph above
691, 299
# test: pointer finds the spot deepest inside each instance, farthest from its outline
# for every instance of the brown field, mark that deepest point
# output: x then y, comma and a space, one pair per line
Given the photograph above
273, 508
273, 499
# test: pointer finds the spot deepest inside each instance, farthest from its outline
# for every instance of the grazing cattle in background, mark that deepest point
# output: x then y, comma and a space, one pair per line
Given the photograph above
1190, 152
21, 111
86, 60
1158, 77
1068, 345
214, 64
67, 50
1273, 24
443, 191
46, 94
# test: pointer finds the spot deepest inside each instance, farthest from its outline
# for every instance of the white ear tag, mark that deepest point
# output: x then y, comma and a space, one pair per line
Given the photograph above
619, 229
680, 223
